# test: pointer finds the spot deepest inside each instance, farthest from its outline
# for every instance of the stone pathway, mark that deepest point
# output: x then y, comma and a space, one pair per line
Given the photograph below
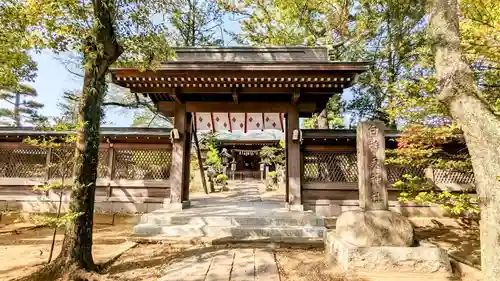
239, 192
224, 265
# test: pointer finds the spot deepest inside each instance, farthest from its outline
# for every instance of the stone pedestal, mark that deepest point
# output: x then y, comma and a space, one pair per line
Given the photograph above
421, 260
375, 239
374, 228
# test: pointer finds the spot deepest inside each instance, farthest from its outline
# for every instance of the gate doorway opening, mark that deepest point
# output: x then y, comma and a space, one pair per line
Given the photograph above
254, 160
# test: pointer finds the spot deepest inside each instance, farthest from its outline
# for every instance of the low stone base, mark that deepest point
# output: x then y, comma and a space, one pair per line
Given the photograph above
377, 228
294, 207
177, 206
422, 259
43, 204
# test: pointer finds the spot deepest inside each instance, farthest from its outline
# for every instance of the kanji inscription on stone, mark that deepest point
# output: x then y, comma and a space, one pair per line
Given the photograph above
371, 169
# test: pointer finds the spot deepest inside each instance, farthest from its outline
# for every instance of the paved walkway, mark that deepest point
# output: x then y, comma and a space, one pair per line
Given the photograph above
240, 192
243, 198
224, 265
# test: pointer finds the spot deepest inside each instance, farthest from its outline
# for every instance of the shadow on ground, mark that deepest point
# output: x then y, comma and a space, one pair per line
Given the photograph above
149, 262
462, 242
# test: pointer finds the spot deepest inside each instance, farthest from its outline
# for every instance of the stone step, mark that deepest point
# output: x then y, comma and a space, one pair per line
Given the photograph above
190, 231
274, 221
244, 242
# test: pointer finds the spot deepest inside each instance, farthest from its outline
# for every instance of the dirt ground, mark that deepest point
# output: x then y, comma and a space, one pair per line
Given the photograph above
307, 265
24, 249
461, 241
148, 262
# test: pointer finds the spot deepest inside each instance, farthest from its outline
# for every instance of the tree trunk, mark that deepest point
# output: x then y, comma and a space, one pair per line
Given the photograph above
200, 161
17, 113
104, 51
480, 126
61, 193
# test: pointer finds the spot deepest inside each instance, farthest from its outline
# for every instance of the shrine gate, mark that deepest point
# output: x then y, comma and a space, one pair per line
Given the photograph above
240, 89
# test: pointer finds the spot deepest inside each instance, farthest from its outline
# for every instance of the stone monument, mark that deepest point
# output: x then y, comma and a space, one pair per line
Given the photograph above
374, 224
374, 238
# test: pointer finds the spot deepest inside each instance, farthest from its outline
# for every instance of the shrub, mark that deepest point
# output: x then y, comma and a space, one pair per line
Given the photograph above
221, 181
272, 180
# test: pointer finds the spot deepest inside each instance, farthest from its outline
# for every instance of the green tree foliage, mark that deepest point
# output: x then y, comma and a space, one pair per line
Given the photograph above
69, 107
62, 150
480, 40
210, 139
422, 147
419, 190
272, 155
193, 23
24, 110
104, 32
213, 160
332, 116
391, 34
221, 181
144, 110
292, 23
148, 118
16, 64
213, 163
416, 99
400, 86
196, 23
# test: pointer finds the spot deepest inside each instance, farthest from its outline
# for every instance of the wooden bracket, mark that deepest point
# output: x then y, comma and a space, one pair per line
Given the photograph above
295, 96
174, 93
235, 95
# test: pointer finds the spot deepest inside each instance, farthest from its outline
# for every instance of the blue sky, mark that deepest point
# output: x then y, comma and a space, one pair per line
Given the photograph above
54, 79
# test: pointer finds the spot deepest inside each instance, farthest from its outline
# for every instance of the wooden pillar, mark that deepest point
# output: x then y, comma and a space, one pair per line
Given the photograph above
187, 160
370, 142
233, 164
47, 164
47, 168
200, 160
178, 158
110, 173
293, 161
287, 183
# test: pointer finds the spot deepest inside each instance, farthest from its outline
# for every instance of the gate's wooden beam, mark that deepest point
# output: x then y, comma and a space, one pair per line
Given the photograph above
167, 108
257, 107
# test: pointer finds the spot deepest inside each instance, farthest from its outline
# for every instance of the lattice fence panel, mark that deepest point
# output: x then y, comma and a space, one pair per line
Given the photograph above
61, 162
330, 167
23, 163
443, 176
395, 174
66, 155
102, 165
142, 164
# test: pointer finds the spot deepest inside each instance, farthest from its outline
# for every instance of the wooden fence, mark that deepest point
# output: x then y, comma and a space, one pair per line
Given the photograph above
330, 178
126, 172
